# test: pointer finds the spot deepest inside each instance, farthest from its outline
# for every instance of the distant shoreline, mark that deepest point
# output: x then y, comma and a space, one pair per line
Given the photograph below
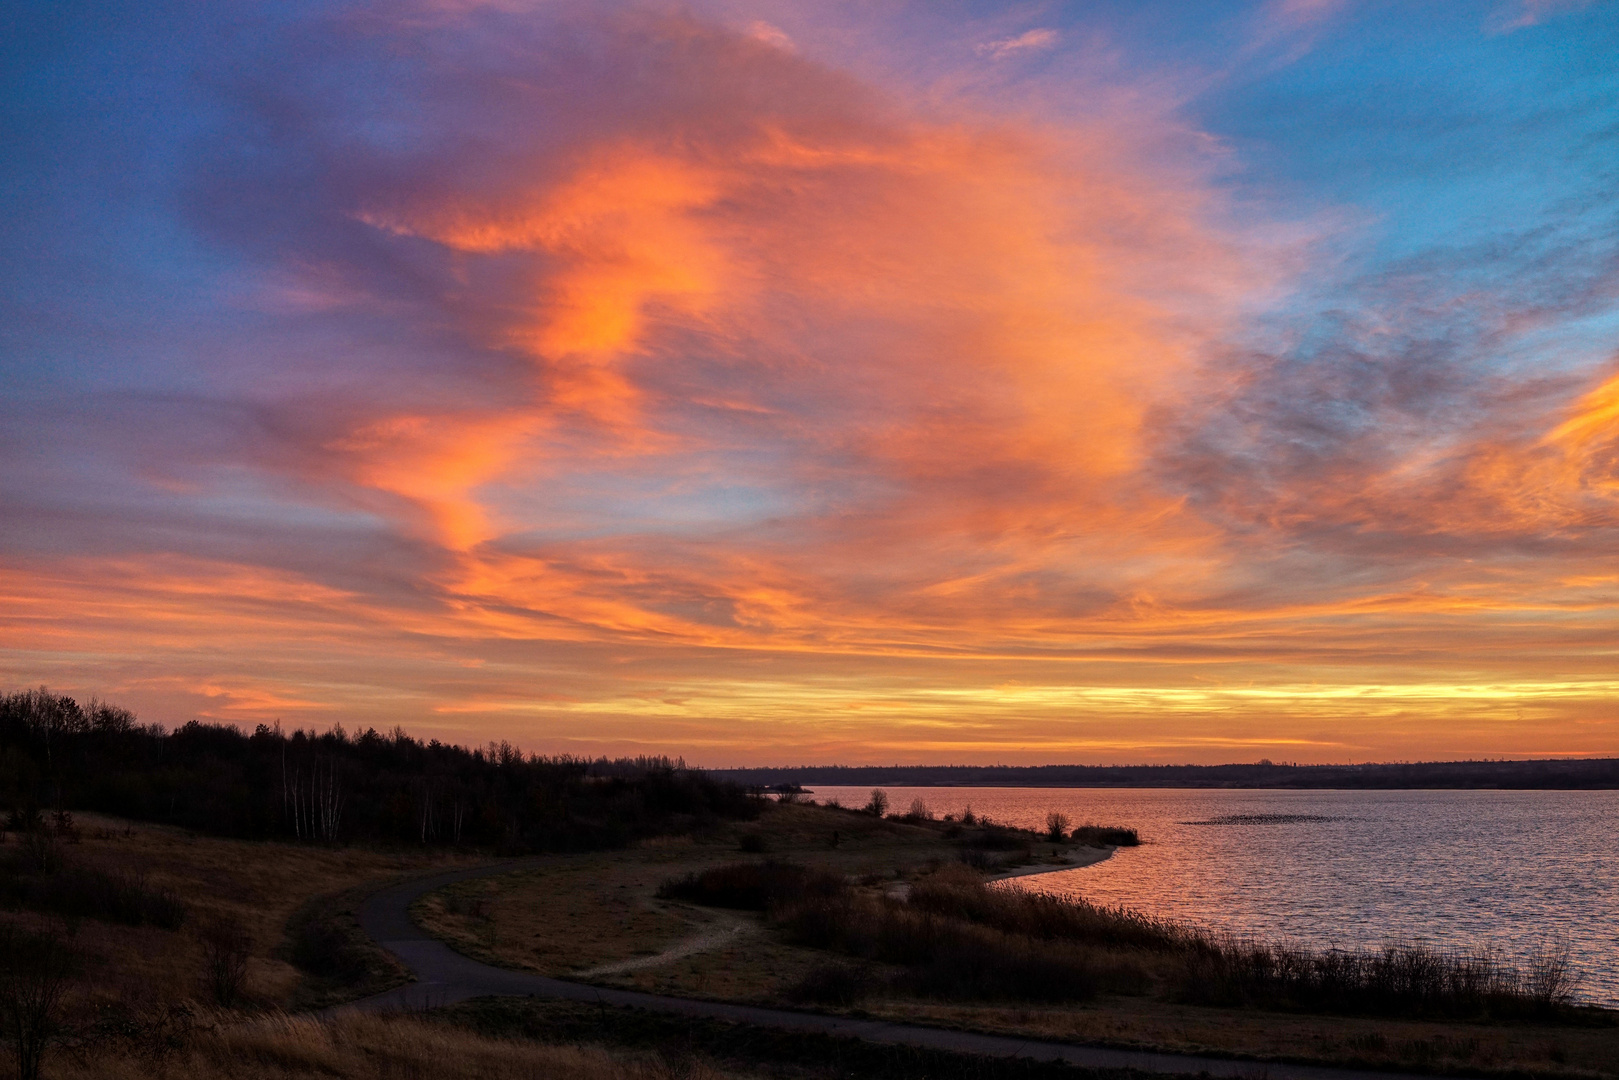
1559, 774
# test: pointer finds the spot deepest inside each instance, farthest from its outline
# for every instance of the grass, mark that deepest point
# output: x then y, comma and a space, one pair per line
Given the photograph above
583, 912
282, 1047
143, 1013
742, 1049
1211, 969
88, 892
1397, 980
752, 886
959, 895
942, 954
138, 900
955, 938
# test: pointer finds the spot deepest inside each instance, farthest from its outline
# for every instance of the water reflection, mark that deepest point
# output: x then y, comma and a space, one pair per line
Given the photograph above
1470, 870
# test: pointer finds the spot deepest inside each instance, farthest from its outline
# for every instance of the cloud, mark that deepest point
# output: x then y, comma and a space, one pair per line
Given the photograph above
1525, 13
1036, 40
1291, 28
770, 35
605, 373
737, 272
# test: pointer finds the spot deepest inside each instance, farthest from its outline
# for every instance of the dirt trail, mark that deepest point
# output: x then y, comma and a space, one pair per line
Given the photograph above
729, 929
445, 977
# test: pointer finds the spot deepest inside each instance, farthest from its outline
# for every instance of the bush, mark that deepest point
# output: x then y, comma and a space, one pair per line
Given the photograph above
322, 947
754, 843
752, 886
35, 970
959, 894
226, 946
1056, 826
996, 838
833, 984
1105, 836
85, 892
952, 958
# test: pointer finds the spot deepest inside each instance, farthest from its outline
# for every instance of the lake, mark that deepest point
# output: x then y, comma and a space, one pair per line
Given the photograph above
1465, 870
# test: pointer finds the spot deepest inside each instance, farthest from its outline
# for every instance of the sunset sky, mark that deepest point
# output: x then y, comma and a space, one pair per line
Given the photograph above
779, 383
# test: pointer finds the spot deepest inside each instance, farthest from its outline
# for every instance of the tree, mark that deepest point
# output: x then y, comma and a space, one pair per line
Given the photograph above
36, 968
878, 806
1057, 826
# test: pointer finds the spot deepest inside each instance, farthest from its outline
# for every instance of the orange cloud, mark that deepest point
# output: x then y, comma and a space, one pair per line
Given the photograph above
683, 386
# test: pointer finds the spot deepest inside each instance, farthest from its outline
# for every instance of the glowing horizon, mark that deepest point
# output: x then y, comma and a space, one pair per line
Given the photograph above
788, 383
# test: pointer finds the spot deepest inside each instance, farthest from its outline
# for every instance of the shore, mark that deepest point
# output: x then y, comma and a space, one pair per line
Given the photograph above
1075, 859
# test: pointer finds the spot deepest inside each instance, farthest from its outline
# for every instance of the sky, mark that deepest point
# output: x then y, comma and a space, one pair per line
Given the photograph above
771, 383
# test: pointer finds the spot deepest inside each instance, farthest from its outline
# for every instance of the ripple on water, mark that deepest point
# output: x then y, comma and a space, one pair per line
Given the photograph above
1508, 871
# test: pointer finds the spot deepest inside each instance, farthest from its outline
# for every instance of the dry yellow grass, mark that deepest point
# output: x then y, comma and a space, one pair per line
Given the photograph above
577, 913
280, 1047
258, 883
1515, 1048
563, 921
562, 918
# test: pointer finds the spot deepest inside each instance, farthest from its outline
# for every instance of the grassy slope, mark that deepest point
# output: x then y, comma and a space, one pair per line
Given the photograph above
259, 883
142, 1011
590, 911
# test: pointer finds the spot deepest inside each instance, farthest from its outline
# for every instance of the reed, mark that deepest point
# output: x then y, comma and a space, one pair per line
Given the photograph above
961, 895
1215, 969
1401, 979
955, 937
944, 957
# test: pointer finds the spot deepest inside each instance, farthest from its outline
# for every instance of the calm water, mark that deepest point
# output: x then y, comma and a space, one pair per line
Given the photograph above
1460, 869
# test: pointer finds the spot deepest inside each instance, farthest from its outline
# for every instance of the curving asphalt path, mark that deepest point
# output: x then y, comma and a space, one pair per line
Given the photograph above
444, 977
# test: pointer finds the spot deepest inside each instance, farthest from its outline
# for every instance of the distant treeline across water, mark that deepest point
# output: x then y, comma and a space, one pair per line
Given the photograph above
1559, 774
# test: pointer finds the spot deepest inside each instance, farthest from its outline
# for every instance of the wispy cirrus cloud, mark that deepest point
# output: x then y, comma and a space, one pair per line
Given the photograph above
1036, 40
623, 376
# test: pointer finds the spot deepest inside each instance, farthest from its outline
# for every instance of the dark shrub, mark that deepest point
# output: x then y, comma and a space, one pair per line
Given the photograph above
997, 838
1036, 915
226, 946
1397, 980
752, 886
1105, 836
35, 971
833, 984
85, 892
754, 843
951, 957
322, 947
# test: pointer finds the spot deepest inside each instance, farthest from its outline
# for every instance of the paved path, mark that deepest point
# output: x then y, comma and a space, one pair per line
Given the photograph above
444, 977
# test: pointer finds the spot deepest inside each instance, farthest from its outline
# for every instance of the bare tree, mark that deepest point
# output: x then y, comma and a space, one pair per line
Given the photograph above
312, 803
878, 805
429, 821
36, 969
226, 945
1057, 824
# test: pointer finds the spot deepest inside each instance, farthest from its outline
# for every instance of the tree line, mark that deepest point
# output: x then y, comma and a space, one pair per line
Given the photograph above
333, 787
1544, 774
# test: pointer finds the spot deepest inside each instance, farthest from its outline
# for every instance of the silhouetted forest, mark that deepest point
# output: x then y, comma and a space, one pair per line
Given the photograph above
333, 787
1561, 773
